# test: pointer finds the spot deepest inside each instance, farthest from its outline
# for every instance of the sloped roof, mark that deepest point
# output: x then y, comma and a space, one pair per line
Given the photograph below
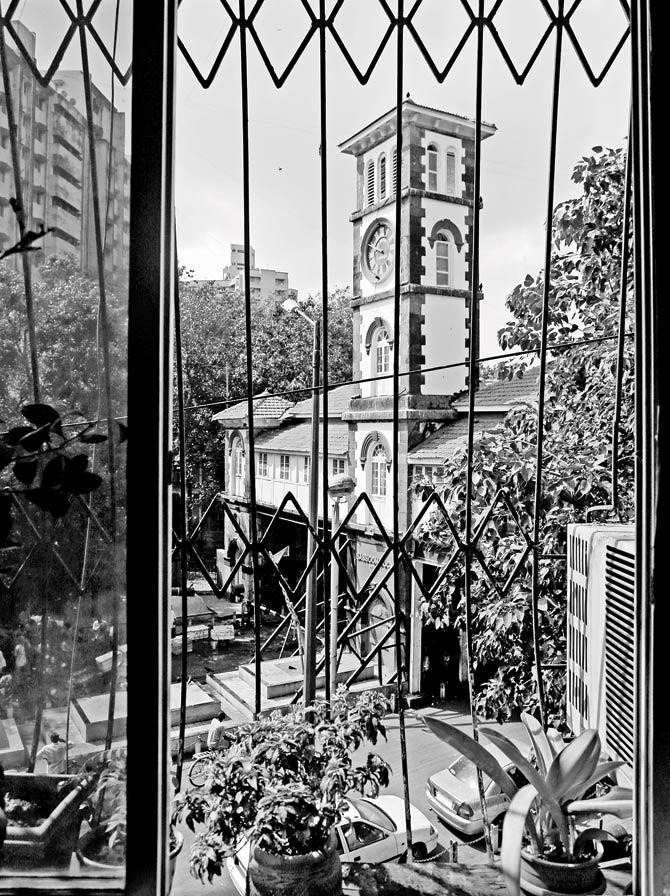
447, 441
265, 405
503, 394
338, 402
297, 439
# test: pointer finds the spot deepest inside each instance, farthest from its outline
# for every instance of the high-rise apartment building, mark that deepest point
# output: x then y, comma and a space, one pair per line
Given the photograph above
55, 168
265, 283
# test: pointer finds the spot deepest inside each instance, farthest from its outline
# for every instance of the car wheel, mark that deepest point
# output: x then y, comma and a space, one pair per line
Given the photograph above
419, 852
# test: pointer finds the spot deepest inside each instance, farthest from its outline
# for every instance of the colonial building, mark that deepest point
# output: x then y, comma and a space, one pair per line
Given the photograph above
435, 330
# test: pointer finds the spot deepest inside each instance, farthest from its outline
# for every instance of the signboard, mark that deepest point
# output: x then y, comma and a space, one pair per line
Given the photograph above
223, 633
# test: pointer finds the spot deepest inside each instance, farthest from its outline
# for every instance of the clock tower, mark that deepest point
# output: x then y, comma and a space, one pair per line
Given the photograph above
436, 187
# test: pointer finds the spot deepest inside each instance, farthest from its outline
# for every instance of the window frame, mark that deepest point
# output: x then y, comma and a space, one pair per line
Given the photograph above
432, 167
263, 466
284, 467
450, 169
370, 183
443, 253
381, 176
378, 471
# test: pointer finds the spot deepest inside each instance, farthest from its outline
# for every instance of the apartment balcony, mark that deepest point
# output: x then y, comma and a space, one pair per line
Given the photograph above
65, 221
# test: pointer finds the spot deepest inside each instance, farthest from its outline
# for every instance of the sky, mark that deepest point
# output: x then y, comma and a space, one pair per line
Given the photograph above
285, 209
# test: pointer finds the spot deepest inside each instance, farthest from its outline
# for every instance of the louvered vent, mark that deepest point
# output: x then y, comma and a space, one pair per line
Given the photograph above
619, 650
578, 695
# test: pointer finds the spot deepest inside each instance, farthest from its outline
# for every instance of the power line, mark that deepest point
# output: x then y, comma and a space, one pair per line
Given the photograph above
412, 370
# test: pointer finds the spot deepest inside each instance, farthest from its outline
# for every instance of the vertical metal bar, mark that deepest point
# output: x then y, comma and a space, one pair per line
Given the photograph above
546, 293
151, 272
330, 682
311, 607
183, 524
104, 332
20, 213
651, 831
251, 466
400, 699
472, 379
621, 342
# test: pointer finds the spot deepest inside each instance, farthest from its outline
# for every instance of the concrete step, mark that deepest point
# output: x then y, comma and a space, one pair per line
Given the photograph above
284, 676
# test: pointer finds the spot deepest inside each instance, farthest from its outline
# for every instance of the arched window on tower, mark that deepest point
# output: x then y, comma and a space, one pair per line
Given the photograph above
381, 360
382, 177
451, 172
432, 168
378, 465
394, 169
370, 186
443, 273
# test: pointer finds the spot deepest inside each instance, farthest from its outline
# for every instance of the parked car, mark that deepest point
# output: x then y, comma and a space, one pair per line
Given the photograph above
372, 830
453, 795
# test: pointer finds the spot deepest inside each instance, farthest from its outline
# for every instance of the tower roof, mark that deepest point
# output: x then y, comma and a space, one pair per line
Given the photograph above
436, 120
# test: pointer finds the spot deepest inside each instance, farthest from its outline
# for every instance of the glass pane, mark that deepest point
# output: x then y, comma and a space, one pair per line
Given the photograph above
64, 228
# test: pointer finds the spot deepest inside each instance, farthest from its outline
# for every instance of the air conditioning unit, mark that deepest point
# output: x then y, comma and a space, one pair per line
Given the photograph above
600, 634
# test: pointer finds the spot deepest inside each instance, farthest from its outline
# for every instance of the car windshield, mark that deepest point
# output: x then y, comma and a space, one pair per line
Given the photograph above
466, 772
371, 812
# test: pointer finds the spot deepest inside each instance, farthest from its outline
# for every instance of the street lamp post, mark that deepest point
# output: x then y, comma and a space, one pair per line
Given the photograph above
309, 673
339, 488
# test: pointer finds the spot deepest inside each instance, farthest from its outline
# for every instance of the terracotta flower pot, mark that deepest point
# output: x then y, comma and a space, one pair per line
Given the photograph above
318, 873
540, 875
94, 843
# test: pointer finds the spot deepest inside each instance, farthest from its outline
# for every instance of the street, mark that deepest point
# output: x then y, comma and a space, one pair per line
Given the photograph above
426, 755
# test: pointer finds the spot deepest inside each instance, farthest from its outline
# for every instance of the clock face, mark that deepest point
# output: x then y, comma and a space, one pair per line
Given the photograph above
378, 252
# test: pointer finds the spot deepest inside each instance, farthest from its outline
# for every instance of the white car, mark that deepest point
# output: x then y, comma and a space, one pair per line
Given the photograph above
454, 797
372, 830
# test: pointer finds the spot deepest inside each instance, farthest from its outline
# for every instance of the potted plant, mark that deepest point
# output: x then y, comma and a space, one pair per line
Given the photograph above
279, 789
543, 848
103, 845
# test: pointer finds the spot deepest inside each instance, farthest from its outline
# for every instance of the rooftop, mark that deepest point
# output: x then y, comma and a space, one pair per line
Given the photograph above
502, 395
338, 402
446, 442
265, 405
296, 439
433, 119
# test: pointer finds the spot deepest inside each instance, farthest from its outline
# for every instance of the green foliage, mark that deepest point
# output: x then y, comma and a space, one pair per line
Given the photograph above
283, 782
213, 337
577, 461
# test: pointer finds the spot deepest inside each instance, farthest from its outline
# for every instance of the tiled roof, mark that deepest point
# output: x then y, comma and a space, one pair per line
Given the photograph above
297, 439
273, 406
503, 393
447, 441
338, 402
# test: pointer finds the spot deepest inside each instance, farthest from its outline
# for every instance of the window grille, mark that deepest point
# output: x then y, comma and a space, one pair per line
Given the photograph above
151, 238
394, 169
382, 178
338, 466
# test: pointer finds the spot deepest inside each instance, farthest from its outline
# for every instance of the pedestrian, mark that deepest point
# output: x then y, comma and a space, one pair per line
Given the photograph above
53, 753
20, 659
216, 736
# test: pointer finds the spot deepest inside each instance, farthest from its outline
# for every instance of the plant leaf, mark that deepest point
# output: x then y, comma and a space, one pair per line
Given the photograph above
556, 742
513, 828
472, 750
40, 414
603, 769
513, 753
589, 836
540, 742
574, 764
54, 502
25, 470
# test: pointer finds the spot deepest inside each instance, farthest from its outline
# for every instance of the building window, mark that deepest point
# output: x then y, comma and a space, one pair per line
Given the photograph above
371, 183
382, 177
284, 467
338, 466
382, 352
451, 172
442, 259
239, 459
432, 168
263, 464
3, 141
394, 168
305, 469
378, 472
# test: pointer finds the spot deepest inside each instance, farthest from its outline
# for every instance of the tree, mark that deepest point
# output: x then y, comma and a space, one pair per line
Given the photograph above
213, 335
580, 395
